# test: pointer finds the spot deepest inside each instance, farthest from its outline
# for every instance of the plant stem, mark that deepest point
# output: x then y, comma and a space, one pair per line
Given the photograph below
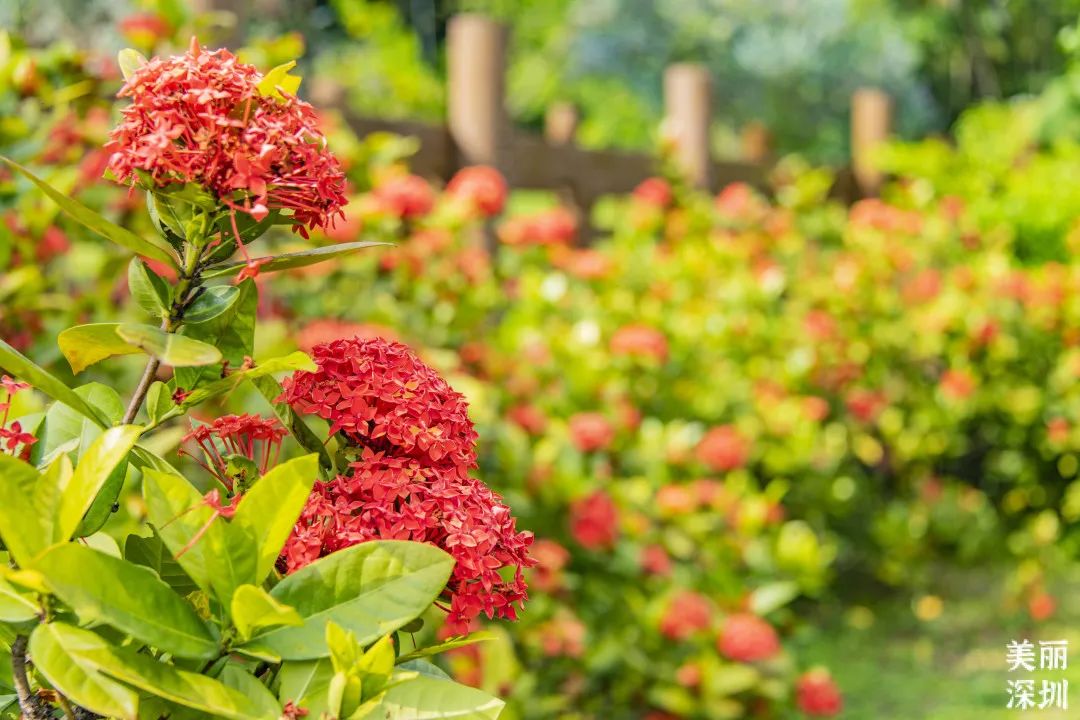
28, 702
69, 712
184, 293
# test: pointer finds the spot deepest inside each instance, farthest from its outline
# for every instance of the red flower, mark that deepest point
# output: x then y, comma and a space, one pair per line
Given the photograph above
563, 636
653, 191
200, 118
747, 638
957, 384
655, 560
1041, 606
640, 341
53, 243
594, 521
865, 405
817, 694
482, 188
675, 500
13, 439
555, 226
591, 431
256, 438
551, 558
145, 29
529, 417
405, 196
411, 481
723, 449
687, 613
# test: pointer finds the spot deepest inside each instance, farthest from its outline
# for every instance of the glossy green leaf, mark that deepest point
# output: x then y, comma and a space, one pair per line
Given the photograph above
82, 684
21, 528
253, 609
50, 485
84, 345
17, 606
211, 303
149, 289
370, 589
91, 475
288, 363
773, 596
232, 332
188, 689
17, 364
151, 552
289, 261
305, 683
170, 348
129, 61
129, 597
159, 402
272, 506
442, 647
270, 389
250, 687
67, 431
156, 249
223, 558
426, 697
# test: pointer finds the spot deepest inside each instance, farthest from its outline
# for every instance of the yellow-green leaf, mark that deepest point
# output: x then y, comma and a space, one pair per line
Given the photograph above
279, 77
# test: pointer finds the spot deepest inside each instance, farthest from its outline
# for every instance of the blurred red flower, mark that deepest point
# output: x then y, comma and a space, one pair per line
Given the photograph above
723, 448
654, 191
687, 612
405, 196
482, 188
817, 695
747, 638
591, 431
640, 341
594, 521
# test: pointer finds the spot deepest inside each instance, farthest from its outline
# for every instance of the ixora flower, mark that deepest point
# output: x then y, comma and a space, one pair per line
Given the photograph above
202, 118
414, 446
747, 638
13, 439
817, 695
229, 438
481, 187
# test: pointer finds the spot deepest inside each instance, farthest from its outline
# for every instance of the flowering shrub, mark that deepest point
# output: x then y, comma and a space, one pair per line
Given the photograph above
183, 612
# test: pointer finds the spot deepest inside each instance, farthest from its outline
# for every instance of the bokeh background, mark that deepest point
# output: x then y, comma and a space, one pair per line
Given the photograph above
777, 428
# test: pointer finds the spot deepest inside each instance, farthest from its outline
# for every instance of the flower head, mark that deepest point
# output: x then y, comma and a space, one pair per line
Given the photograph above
723, 449
687, 612
252, 437
415, 445
591, 431
747, 638
640, 341
201, 118
594, 521
482, 188
817, 695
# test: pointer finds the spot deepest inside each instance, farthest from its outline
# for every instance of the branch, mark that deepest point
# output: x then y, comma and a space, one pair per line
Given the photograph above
30, 704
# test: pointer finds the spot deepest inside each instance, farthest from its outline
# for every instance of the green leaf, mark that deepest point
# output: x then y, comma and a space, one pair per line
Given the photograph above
249, 686
91, 475
270, 389
211, 303
288, 363
15, 607
272, 506
84, 345
226, 555
773, 596
129, 61
170, 348
131, 598
21, 528
48, 489
253, 610
151, 552
428, 697
370, 589
23, 368
289, 261
82, 684
423, 667
149, 289
67, 431
305, 683
159, 402
232, 332
198, 692
442, 647
155, 249
279, 77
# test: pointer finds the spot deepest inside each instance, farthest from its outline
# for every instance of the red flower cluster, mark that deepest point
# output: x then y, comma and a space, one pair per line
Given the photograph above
556, 226
405, 196
640, 341
411, 481
594, 521
201, 118
13, 440
687, 613
654, 191
747, 638
482, 188
723, 449
590, 431
817, 695
256, 438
